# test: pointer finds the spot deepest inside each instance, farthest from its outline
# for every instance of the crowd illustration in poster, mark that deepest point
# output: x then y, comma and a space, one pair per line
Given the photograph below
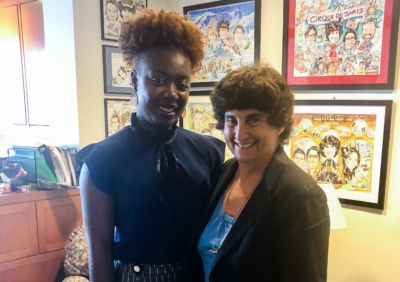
336, 149
117, 11
228, 39
338, 37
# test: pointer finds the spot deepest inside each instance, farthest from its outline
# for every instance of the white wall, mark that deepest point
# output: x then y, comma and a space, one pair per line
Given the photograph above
56, 78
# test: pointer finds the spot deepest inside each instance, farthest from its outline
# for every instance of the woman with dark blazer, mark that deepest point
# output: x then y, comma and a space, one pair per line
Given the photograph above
268, 220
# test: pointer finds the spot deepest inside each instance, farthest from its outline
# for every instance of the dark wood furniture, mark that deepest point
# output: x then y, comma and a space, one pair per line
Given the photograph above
34, 228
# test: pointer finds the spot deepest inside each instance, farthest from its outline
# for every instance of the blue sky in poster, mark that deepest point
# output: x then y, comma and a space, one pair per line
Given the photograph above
234, 13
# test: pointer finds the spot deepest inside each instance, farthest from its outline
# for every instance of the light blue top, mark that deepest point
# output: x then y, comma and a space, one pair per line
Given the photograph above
213, 236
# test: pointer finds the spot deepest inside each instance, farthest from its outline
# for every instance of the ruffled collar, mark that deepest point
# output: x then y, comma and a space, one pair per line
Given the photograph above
151, 133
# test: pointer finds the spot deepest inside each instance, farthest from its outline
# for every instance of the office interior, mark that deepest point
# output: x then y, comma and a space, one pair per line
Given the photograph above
72, 109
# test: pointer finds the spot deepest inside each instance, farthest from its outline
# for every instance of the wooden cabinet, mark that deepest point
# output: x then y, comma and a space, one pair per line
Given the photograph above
34, 228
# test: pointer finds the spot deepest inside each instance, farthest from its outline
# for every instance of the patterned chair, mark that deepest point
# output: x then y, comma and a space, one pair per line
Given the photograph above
76, 257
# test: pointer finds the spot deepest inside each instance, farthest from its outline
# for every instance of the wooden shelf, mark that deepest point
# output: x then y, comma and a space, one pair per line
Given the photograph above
34, 228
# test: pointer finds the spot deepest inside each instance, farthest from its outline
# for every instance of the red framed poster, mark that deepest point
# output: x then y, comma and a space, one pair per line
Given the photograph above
340, 44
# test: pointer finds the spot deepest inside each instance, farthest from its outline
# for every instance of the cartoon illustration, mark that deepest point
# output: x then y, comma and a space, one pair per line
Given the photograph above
112, 26
299, 158
228, 39
118, 113
351, 161
313, 161
329, 148
117, 11
352, 41
335, 148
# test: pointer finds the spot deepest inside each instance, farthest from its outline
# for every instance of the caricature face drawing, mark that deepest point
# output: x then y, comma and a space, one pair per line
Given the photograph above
352, 161
350, 41
368, 31
312, 159
334, 36
310, 35
111, 12
238, 34
329, 151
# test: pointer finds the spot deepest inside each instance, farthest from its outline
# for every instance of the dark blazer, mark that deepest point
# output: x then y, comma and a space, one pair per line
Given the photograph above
282, 233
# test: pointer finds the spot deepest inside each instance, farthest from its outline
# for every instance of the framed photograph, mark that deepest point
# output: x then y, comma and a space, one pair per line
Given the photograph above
340, 44
117, 113
231, 37
116, 72
344, 143
114, 12
199, 117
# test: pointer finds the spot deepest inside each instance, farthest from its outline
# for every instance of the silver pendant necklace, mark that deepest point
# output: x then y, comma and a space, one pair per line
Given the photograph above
214, 249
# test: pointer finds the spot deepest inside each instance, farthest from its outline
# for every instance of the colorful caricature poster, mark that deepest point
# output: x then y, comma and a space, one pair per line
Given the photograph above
339, 41
228, 38
338, 38
199, 118
115, 12
118, 114
339, 146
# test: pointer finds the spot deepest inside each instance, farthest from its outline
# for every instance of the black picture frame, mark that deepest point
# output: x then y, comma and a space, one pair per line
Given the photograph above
319, 63
222, 55
363, 131
117, 8
116, 72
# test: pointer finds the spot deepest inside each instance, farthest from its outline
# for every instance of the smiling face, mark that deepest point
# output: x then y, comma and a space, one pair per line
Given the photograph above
299, 159
162, 77
127, 14
249, 136
310, 35
313, 159
329, 151
223, 33
352, 160
350, 41
238, 34
368, 31
111, 12
334, 36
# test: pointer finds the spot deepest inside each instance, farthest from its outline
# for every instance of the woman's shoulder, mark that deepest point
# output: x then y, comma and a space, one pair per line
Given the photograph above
111, 145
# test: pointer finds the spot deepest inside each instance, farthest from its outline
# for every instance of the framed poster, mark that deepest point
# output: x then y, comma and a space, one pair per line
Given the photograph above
114, 12
344, 143
117, 113
199, 117
116, 72
340, 44
231, 37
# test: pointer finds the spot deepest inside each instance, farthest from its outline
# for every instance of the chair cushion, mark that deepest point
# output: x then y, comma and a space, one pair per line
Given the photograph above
76, 253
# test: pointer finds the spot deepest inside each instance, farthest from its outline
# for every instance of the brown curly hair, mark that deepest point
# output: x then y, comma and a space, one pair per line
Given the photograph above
150, 29
258, 87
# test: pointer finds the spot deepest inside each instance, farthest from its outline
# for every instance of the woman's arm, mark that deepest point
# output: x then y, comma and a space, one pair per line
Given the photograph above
98, 217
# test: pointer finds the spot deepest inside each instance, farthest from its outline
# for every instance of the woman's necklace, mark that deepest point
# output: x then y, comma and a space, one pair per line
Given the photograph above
225, 202
243, 199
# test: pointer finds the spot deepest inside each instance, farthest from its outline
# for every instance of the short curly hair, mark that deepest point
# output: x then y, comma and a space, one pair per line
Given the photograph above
150, 29
258, 87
